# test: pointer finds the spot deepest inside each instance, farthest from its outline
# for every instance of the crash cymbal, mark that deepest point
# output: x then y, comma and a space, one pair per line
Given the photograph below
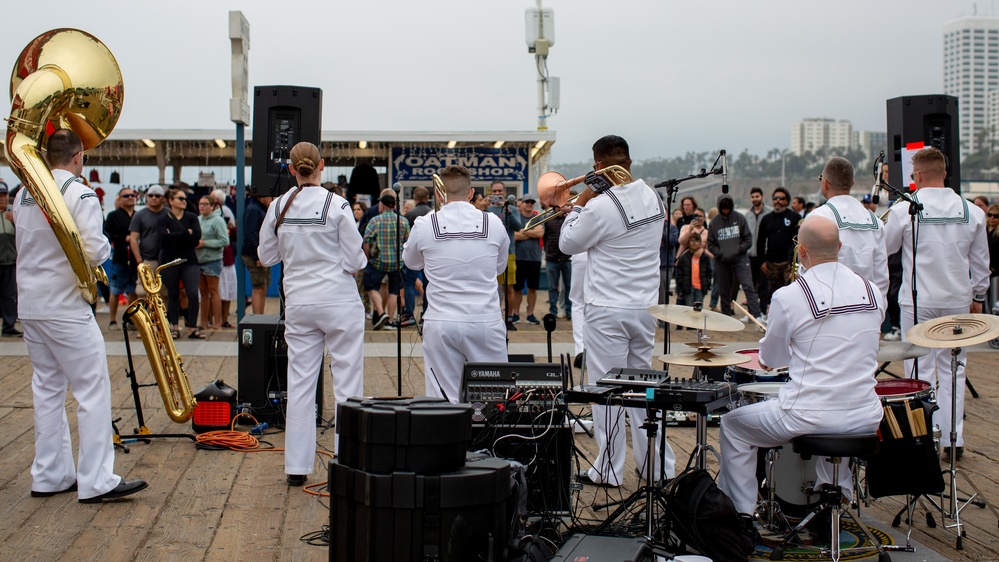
701, 319
889, 351
705, 359
704, 346
958, 330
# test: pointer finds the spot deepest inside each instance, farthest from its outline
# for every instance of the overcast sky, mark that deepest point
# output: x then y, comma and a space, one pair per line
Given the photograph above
669, 76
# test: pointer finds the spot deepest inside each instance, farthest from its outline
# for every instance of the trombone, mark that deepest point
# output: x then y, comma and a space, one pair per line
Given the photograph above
440, 194
554, 190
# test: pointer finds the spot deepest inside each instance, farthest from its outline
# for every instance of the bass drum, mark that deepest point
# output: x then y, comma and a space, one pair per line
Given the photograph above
794, 477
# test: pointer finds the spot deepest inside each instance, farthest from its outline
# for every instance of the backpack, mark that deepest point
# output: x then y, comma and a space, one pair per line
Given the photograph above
701, 516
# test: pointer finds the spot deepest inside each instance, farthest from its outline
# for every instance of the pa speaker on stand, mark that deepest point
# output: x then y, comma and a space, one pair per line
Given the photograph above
283, 116
931, 120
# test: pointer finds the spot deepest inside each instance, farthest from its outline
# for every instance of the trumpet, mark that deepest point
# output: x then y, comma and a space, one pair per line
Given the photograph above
554, 190
440, 194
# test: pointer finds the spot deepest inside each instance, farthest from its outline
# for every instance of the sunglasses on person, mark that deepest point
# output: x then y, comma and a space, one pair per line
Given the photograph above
180, 198
993, 216
126, 195
154, 195
780, 198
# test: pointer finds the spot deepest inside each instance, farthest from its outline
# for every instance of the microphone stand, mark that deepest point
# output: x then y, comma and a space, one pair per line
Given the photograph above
914, 208
672, 188
398, 297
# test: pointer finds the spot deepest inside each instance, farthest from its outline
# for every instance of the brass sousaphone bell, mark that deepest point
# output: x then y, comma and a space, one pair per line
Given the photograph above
554, 190
64, 79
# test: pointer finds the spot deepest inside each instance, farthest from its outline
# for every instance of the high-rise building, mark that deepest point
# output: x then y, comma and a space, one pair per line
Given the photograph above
870, 143
819, 135
970, 71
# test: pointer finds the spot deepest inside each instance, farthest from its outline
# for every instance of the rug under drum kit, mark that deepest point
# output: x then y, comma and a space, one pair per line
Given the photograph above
401, 491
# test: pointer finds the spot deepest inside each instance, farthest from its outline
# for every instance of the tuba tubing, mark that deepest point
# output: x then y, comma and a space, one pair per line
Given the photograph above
148, 315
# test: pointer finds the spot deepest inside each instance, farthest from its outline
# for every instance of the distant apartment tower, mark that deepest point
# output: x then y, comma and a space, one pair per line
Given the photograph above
819, 135
970, 71
870, 143
992, 117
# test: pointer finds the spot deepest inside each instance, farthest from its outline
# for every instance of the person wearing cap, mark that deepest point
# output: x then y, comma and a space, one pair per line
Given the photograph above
384, 238
311, 231
144, 228
869, 203
260, 275
499, 205
64, 342
124, 276
461, 249
860, 230
528, 251
8, 267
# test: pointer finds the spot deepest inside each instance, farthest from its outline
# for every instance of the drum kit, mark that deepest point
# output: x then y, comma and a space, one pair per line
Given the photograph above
789, 481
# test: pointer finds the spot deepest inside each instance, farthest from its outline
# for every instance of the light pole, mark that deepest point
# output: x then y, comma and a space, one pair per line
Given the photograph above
239, 113
783, 155
540, 28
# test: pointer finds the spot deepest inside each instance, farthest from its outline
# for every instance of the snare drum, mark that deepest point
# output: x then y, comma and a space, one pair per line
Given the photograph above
902, 390
759, 391
752, 371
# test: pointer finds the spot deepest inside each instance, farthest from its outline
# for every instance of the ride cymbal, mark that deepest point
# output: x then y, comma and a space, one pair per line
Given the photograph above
690, 318
889, 351
958, 330
705, 359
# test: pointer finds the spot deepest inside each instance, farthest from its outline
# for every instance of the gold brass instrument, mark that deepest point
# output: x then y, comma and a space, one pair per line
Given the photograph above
440, 194
553, 191
64, 78
148, 315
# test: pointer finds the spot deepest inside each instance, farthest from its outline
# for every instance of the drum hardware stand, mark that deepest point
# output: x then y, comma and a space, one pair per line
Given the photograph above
954, 507
772, 514
651, 492
142, 432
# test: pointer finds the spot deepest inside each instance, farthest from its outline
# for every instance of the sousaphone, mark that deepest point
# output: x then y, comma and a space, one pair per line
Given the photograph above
63, 79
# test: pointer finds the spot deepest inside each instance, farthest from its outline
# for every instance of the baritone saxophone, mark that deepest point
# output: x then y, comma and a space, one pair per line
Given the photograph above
148, 315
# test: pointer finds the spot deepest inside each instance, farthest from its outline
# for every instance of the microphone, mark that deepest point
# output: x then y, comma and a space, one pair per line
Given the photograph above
724, 172
876, 189
510, 200
397, 187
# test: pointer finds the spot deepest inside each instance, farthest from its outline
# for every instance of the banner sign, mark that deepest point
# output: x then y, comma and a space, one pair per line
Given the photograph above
421, 163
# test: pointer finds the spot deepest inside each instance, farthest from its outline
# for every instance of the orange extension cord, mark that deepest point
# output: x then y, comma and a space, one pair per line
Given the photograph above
245, 443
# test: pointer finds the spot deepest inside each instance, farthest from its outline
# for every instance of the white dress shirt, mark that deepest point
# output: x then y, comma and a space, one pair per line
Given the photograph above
319, 245
825, 327
952, 254
461, 250
863, 237
47, 282
620, 230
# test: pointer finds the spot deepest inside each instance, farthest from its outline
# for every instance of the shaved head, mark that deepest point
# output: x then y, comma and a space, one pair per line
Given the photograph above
819, 237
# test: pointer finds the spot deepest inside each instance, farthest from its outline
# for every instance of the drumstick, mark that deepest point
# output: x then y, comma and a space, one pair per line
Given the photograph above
746, 312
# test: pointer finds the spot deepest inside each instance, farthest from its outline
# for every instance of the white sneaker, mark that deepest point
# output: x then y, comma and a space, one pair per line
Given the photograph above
744, 319
894, 335
762, 320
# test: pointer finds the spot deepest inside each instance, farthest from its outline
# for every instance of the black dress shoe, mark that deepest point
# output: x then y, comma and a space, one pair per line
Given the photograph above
584, 478
297, 480
35, 494
127, 487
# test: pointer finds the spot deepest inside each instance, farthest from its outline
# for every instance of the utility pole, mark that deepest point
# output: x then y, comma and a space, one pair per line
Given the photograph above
239, 113
540, 27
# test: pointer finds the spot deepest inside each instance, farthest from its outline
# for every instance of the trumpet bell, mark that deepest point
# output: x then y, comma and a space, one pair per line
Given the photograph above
553, 190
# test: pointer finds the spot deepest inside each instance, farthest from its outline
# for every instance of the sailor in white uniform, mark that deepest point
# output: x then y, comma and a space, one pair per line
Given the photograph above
461, 250
64, 342
952, 273
312, 232
860, 231
825, 327
620, 231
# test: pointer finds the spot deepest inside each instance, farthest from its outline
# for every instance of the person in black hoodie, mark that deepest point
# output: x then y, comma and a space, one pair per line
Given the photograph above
729, 239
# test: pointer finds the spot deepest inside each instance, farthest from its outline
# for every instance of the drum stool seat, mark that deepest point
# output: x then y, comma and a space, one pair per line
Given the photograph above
834, 447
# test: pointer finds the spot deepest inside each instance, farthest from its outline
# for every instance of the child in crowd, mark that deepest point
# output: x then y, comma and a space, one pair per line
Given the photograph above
693, 272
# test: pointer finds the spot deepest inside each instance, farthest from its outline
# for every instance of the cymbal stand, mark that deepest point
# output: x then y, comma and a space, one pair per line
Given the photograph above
954, 505
699, 455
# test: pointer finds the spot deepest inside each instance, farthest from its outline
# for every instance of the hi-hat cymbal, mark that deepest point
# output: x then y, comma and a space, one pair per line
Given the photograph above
958, 330
889, 351
702, 319
705, 359
704, 345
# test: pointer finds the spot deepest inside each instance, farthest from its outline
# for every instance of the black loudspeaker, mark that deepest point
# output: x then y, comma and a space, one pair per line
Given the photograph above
263, 369
932, 120
283, 116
